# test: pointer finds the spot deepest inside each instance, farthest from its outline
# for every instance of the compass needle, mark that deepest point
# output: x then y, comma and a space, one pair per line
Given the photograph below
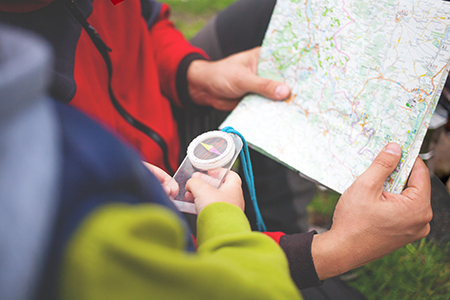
210, 148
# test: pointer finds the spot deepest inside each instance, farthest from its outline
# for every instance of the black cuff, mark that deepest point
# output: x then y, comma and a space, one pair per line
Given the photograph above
297, 248
182, 84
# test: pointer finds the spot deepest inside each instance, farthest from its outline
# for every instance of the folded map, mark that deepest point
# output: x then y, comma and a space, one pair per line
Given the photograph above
362, 74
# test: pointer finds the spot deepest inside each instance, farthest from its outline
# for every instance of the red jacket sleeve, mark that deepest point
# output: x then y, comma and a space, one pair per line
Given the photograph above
173, 54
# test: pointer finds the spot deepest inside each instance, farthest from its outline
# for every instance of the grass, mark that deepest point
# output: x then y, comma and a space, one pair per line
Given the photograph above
419, 271
190, 16
321, 208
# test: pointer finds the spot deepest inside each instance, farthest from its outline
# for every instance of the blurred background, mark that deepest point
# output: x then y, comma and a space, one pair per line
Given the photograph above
417, 271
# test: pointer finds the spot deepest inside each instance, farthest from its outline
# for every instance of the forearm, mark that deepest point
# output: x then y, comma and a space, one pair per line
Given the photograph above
334, 255
173, 54
254, 250
200, 78
141, 249
369, 223
315, 257
182, 84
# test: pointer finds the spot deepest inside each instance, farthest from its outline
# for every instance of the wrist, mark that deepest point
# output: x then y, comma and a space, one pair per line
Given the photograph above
182, 80
197, 81
330, 255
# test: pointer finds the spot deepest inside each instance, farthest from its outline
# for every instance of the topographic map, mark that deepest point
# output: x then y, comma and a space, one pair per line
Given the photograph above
362, 74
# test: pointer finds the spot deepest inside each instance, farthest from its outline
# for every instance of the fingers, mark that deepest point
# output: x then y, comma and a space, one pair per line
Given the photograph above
211, 180
199, 188
267, 88
170, 186
419, 193
419, 184
159, 173
383, 165
262, 86
229, 192
420, 177
201, 193
232, 180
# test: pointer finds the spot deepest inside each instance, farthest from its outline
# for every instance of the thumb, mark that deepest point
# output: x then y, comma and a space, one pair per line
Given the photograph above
383, 165
267, 88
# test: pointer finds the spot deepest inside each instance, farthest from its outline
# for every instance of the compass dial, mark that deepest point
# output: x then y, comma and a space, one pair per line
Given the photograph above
211, 150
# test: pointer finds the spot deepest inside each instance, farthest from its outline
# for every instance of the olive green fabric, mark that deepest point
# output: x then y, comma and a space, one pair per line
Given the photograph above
137, 252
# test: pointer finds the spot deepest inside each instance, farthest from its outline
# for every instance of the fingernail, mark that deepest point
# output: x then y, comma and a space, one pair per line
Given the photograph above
282, 91
393, 148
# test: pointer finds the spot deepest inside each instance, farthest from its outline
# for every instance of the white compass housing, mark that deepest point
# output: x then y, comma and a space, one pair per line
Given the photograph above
211, 150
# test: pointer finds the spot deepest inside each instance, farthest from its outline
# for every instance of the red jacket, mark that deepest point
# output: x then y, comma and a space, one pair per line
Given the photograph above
146, 54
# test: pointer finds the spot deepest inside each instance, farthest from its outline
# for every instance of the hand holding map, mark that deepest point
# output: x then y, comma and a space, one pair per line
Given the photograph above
369, 223
362, 74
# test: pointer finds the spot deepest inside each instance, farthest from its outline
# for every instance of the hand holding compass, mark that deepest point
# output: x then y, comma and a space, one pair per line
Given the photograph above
212, 154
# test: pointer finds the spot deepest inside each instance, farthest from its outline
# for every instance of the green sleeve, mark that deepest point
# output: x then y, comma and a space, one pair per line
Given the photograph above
136, 252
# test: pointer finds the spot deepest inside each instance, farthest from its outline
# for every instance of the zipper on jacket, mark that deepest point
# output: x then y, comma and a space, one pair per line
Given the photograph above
104, 51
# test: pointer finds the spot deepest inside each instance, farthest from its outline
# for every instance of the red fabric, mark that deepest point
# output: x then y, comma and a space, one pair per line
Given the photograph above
116, 1
276, 235
144, 63
194, 240
168, 52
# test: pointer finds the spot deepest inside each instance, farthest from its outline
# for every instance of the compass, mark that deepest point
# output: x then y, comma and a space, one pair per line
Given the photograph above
211, 150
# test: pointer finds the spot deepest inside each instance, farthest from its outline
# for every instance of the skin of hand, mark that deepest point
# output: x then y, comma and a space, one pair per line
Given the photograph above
369, 223
204, 194
213, 178
170, 187
222, 84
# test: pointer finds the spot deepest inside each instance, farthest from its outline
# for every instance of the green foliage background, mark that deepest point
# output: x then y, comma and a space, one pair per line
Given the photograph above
191, 15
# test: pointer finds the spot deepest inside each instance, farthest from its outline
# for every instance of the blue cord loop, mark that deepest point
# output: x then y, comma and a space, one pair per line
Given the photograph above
248, 173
